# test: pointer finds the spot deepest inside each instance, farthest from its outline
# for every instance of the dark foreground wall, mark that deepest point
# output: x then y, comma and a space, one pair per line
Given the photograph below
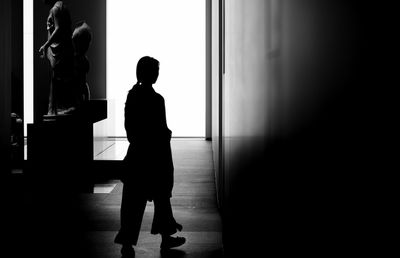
5, 85
299, 132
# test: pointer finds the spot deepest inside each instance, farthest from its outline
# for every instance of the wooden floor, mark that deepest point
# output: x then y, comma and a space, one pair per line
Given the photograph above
193, 201
41, 222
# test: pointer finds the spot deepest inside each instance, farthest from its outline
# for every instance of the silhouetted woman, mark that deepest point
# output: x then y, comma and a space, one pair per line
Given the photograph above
149, 176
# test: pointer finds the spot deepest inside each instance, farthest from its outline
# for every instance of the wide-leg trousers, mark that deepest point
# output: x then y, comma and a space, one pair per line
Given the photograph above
134, 200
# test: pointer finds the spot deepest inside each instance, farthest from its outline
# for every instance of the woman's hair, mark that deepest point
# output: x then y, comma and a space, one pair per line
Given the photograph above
147, 69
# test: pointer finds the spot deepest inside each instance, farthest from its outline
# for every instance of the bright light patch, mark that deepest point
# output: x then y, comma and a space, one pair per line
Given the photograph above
173, 32
28, 63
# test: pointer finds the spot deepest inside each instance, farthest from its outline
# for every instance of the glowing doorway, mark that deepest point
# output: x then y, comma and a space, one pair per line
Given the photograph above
173, 32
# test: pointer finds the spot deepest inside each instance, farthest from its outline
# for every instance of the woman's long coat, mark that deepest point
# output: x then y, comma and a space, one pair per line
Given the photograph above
149, 160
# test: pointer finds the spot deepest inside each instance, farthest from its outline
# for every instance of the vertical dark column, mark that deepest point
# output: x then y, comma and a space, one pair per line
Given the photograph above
5, 84
17, 82
17, 57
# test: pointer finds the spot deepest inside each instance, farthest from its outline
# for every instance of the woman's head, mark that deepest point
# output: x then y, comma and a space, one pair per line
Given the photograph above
147, 70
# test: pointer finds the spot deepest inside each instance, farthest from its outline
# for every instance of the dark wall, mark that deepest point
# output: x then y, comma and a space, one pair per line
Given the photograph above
11, 82
17, 57
5, 84
17, 83
94, 13
299, 131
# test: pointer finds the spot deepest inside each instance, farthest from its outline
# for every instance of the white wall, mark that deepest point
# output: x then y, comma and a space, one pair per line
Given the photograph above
173, 32
28, 63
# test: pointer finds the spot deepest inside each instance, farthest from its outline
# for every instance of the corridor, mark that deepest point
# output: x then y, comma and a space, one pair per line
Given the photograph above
194, 205
296, 110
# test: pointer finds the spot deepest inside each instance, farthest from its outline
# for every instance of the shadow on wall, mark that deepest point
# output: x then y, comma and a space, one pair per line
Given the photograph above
296, 122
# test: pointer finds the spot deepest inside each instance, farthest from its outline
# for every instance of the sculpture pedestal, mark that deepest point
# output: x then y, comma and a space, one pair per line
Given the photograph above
60, 148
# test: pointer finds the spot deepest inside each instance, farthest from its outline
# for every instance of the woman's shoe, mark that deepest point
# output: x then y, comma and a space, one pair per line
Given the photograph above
171, 242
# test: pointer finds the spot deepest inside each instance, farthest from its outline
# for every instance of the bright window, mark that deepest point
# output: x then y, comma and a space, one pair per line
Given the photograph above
171, 31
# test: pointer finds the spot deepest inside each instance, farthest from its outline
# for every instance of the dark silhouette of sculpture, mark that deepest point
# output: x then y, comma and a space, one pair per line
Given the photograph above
149, 174
81, 39
59, 51
66, 52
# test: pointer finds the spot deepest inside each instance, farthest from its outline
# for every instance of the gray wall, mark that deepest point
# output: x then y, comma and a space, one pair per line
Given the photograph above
215, 94
288, 117
94, 13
